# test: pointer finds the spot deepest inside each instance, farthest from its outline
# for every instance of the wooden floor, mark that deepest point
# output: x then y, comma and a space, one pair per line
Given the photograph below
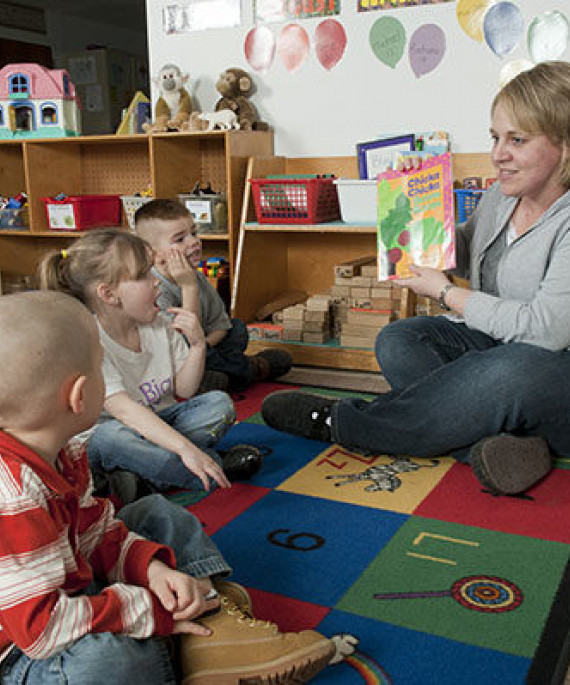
359, 381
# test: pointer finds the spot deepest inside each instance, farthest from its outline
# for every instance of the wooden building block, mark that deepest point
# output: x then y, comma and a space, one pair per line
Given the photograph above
294, 334
369, 317
320, 317
311, 337
355, 341
353, 267
362, 281
295, 313
359, 292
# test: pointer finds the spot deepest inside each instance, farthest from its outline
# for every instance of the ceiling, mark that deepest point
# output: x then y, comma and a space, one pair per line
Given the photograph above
128, 13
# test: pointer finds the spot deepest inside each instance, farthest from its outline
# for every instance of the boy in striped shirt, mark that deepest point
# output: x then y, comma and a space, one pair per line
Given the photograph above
83, 597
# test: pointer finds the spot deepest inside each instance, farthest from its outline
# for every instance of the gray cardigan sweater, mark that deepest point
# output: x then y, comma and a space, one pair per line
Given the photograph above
533, 276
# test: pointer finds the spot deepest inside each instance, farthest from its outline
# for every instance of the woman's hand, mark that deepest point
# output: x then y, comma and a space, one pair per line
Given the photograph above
428, 282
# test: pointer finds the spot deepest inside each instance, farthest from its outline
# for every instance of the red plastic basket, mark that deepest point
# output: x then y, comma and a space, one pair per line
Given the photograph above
81, 212
295, 200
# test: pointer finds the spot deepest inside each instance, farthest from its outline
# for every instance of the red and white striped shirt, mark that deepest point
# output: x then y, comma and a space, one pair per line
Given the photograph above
55, 538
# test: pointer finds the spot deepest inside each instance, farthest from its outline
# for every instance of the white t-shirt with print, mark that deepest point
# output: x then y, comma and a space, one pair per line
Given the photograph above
147, 377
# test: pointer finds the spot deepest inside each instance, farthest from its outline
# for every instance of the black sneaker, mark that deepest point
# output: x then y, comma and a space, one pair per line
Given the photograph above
240, 462
308, 416
126, 486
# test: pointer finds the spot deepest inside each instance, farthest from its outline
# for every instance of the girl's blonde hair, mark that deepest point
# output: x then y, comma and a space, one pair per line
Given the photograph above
107, 255
538, 101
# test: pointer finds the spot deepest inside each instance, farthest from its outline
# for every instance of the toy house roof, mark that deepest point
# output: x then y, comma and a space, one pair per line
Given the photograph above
44, 83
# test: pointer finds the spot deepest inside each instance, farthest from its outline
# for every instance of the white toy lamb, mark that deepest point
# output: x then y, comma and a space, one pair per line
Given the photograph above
224, 119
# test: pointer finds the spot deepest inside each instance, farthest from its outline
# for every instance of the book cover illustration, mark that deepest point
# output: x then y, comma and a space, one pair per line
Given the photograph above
416, 223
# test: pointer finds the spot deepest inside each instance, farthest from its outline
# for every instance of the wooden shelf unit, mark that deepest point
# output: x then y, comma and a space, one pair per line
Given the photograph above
274, 259
171, 163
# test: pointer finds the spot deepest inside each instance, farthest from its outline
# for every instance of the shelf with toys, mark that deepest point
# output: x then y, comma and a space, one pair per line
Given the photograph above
302, 257
169, 163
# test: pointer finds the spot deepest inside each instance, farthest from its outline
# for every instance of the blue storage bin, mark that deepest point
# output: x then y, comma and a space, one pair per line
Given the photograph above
14, 219
467, 201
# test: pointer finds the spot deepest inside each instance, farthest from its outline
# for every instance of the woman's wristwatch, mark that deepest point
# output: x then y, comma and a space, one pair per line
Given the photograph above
443, 294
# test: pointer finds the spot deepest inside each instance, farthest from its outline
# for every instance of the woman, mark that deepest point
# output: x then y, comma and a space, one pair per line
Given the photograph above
487, 385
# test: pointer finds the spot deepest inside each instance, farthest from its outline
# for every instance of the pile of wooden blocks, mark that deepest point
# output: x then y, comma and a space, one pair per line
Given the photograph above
354, 310
362, 304
309, 322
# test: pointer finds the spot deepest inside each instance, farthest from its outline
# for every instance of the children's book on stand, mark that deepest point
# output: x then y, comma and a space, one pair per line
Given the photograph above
416, 222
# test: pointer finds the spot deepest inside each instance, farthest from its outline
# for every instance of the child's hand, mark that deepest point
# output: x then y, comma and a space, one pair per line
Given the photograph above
188, 324
179, 267
203, 466
181, 595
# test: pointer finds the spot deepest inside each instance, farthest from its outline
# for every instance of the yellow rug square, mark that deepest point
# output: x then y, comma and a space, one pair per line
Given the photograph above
379, 481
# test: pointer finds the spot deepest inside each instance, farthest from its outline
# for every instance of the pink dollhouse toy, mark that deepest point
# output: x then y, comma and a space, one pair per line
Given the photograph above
36, 102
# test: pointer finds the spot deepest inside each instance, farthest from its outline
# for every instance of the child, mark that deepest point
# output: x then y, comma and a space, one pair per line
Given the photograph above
146, 366
169, 228
59, 624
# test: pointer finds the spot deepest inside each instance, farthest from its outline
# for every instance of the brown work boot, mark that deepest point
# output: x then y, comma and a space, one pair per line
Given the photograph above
244, 651
236, 593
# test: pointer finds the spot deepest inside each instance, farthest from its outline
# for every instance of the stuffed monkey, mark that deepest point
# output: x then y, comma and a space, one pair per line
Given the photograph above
235, 86
174, 106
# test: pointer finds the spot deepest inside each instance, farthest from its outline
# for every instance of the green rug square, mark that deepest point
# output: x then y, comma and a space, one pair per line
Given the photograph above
480, 587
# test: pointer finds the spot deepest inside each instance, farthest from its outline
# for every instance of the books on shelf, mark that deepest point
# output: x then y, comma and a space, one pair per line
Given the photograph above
387, 152
416, 222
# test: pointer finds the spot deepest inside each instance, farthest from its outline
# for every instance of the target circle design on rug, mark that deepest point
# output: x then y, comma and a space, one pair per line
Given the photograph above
487, 593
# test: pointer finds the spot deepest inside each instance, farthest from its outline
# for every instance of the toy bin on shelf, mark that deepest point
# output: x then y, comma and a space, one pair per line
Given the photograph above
467, 201
14, 219
82, 212
210, 212
358, 202
130, 205
295, 200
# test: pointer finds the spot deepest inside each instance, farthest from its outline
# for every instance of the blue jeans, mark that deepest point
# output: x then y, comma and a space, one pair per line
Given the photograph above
204, 420
105, 658
229, 356
452, 386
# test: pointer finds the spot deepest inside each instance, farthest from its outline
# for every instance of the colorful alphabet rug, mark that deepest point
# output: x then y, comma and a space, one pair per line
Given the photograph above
441, 582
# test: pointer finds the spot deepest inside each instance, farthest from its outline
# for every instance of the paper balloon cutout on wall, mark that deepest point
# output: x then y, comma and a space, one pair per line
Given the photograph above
548, 36
259, 48
512, 69
330, 42
426, 50
292, 46
387, 40
470, 15
503, 28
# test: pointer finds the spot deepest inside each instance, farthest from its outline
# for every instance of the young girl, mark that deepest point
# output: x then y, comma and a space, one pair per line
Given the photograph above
147, 365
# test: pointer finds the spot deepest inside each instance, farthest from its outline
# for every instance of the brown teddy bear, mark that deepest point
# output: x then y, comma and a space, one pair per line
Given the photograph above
235, 86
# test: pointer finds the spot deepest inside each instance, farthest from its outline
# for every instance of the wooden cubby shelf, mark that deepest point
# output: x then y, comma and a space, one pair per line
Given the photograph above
275, 259
170, 163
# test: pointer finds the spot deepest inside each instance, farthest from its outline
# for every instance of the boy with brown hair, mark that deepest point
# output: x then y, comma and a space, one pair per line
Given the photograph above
83, 595
169, 228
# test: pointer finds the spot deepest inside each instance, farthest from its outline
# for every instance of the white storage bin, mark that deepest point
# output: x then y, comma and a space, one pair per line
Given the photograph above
357, 200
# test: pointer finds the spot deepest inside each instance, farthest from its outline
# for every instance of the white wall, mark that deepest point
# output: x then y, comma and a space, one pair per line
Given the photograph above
319, 113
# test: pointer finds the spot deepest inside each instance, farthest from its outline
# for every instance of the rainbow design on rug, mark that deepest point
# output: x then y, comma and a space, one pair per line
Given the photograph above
371, 672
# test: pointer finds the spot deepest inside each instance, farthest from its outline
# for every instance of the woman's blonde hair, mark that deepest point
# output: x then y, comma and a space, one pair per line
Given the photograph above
107, 255
538, 101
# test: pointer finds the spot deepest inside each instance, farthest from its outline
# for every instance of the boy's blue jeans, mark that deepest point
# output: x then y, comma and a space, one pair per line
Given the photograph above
453, 386
203, 419
108, 659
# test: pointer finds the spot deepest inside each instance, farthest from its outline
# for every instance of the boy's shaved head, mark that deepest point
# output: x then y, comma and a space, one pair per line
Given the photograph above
45, 338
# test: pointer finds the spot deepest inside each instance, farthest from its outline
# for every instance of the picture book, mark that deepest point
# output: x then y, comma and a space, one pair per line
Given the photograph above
415, 220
